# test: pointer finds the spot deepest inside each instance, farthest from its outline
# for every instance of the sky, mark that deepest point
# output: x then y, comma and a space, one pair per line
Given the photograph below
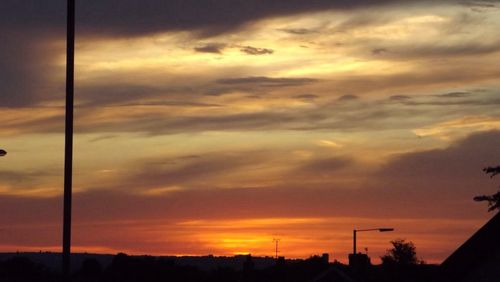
213, 126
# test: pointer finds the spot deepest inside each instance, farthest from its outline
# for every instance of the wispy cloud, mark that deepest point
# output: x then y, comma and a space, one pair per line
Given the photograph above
256, 51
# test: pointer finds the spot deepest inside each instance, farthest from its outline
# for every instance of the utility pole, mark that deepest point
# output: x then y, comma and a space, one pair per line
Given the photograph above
68, 145
276, 242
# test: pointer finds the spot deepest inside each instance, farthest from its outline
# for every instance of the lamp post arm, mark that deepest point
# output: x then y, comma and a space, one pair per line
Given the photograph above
371, 229
362, 230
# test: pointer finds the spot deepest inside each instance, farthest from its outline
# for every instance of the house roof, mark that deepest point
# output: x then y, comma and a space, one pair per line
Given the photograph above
478, 250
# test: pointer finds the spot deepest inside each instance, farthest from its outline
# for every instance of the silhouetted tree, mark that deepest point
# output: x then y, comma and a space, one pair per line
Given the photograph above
494, 199
493, 170
402, 253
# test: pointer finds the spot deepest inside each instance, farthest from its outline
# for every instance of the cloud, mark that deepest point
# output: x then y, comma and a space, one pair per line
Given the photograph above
215, 48
482, 4
103, 137
379, 51
450, 177
134, 17
306, 96
256, 85
298, 31
27, 71
456, 94
464, 49
193, 172
460, 126
185, 116
256, 51
347, 97
264, 81
399, 97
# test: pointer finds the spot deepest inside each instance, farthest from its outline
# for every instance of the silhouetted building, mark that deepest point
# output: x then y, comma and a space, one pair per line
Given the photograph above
248, 273
325, 257
359, 261
478, 259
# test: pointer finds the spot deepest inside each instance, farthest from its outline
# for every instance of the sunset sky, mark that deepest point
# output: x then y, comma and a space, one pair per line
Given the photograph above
214, 126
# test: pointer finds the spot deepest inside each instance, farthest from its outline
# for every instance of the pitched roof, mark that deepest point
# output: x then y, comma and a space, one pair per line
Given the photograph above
333, 274
478, 250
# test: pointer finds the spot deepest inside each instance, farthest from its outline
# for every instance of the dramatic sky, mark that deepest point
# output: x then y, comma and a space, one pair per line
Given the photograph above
214, 126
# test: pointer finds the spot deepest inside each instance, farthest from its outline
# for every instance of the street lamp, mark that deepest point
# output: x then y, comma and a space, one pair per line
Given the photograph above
363, 230
3, 152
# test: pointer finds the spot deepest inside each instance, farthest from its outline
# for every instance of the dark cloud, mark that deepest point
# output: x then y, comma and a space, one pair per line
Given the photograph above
347, 97
173, 94
163, 172
175, 104
113, 94
481, 4
306, 96
25, 26
453, 174
464, 49
255, 86
256, 51
457, 94
399, 97
215, 48
21, 178
298, 31
343, 116
136, 17
252, 121
467, 49
103, 137
267, 81
379, 51
26, 71
26, 60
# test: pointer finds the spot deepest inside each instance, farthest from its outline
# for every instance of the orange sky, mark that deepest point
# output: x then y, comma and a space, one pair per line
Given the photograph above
212, 130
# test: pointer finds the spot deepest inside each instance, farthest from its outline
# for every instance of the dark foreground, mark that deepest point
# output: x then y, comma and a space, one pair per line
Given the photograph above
124, 268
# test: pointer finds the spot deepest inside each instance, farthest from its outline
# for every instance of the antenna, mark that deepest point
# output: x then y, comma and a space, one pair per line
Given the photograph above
276, 242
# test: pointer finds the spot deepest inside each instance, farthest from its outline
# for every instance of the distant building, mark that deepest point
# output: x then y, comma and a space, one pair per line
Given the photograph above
325, 257
478, 259
359, 261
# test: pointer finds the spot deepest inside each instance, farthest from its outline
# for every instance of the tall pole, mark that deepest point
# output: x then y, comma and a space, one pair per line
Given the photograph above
68, 145
354, 241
